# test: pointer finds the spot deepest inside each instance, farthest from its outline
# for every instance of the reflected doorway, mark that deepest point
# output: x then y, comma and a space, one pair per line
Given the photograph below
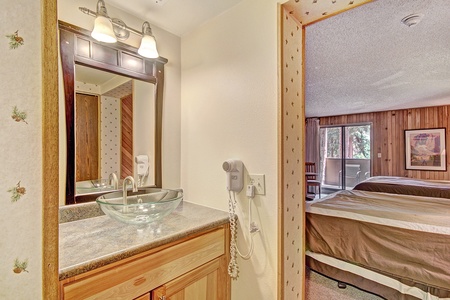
87, 137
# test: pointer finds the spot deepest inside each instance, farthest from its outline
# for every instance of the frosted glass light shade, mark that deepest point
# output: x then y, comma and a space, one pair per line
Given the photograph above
103, 30
148, 47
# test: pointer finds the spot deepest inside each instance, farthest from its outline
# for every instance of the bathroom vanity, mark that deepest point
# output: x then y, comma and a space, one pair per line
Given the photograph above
183, 256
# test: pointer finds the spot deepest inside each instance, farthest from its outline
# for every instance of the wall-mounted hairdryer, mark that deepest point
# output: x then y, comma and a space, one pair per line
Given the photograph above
235, 174
142, 165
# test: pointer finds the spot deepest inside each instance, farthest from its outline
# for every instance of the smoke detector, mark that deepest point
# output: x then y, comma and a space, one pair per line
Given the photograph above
412, 20
161, 2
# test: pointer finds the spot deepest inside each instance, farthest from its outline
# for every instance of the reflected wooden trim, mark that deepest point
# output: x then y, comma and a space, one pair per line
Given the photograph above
126, 147
68, 67
159, 73
50, 150
77, 47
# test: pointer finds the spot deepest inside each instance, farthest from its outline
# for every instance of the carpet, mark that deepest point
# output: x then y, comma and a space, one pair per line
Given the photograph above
319, 287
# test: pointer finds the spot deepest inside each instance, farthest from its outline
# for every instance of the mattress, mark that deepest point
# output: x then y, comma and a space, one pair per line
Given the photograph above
400, 236
406, 186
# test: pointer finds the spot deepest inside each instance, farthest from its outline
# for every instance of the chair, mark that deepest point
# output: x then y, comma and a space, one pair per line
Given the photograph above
311, 177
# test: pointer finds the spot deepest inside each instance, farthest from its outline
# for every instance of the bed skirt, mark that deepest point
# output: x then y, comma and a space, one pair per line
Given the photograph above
384, 285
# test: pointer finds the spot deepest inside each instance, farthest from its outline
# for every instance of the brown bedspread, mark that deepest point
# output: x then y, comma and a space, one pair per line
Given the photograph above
406, 186
420, 256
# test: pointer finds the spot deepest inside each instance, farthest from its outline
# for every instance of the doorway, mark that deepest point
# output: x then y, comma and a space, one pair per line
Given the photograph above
345, 155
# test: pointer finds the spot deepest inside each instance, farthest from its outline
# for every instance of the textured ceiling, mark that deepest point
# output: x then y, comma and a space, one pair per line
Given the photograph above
365, 59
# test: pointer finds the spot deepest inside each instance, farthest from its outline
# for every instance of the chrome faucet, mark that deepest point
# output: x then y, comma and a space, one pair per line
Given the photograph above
124, 188
114, 181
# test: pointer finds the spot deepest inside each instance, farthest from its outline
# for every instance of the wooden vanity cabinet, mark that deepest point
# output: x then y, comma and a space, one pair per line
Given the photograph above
199, 284
191, 268
144, 297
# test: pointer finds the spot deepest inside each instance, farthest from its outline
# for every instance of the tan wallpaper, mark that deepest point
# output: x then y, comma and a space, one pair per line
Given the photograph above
21, 151
110, 136
389, 138
292, 133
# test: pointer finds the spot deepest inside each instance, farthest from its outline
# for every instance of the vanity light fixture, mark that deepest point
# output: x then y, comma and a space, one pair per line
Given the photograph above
109, 30
103, 28
148, 42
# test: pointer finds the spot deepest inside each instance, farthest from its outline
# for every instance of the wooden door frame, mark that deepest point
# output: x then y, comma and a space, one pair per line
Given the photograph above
292, 103
50, 150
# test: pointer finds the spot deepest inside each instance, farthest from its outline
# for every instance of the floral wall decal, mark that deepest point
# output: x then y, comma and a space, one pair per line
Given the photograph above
17, 192
20, 266
15, 40
18, 115
21, 34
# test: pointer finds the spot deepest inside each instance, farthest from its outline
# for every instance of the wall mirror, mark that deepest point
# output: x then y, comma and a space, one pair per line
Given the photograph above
113, 108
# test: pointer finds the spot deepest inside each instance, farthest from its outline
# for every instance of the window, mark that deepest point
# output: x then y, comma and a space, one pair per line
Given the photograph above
345, 155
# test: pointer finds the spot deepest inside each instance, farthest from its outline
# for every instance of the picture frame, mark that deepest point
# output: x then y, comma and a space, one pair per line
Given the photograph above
425, 149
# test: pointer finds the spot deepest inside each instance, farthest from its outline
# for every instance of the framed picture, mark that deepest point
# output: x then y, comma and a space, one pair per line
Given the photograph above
425, 149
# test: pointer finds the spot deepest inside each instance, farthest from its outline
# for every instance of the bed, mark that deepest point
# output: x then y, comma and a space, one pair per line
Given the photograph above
394, 245
406, 186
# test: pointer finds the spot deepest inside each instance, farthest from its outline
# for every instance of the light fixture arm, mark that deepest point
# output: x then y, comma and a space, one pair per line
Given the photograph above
101, 9
146, 29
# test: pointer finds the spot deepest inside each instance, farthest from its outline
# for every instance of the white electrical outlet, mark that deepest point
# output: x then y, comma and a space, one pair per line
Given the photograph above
258, 181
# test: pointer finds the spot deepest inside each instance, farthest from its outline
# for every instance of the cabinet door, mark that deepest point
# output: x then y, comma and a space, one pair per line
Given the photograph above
143, 297
199, 284
158, 293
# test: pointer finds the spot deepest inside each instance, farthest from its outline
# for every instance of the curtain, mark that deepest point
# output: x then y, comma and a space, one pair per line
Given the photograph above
312, 141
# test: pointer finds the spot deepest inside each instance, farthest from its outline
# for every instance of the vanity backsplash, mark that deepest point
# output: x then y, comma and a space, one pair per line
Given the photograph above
70, 213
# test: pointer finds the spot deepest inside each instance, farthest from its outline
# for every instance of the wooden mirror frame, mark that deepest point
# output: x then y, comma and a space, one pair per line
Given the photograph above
78, 47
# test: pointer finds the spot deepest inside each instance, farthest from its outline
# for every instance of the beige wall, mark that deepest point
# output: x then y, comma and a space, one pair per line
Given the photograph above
168, 47
144, 128
21, 152
229, 110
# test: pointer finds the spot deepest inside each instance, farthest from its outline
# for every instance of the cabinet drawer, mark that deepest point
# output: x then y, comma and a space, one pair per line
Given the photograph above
136, 277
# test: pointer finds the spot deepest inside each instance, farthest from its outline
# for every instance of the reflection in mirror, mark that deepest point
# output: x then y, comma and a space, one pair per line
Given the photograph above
109, 133
114, 128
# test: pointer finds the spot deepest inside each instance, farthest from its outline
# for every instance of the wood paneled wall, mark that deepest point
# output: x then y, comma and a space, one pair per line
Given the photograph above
126, 147
388, 137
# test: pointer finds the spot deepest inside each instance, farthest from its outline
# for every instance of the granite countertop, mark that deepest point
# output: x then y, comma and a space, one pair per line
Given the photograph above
90, 243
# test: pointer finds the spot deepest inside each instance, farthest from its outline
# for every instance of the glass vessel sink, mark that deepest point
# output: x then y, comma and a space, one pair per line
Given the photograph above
144, 206
92, 186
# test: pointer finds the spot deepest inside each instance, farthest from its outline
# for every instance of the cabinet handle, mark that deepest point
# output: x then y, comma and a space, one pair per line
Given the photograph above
162, 298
